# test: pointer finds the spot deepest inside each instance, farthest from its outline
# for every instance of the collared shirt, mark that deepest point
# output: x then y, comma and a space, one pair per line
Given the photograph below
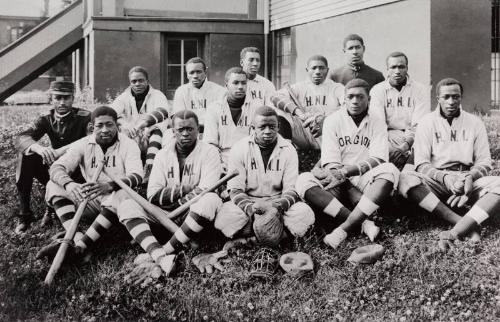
257, 179
188, 97
123, 158
260, 90
344, 143
442, 145
402, 110
346, 73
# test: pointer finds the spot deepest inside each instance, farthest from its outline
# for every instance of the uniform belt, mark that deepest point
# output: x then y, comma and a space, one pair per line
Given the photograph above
459, 167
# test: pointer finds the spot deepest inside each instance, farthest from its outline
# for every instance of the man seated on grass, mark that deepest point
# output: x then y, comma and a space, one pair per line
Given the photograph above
354, 154
181, 170
452, 160
122, 158
268, 168
63, 124
143, 114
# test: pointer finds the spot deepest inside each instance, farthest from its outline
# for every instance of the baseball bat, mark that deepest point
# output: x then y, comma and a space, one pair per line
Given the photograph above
70, 233
288, 88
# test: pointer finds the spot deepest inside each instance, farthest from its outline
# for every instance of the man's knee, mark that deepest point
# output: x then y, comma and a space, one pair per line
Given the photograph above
304, 182
230, 219
207, 206
54, 190
299, 218
389, 172
129, 209
408, 180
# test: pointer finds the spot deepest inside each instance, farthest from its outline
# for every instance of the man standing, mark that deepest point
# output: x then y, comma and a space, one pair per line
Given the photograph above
354, 152
121, 157
402, 103
259, 89
354, 49
63, 124
142, 114
183, 169
199, 92
309, 102
452, 160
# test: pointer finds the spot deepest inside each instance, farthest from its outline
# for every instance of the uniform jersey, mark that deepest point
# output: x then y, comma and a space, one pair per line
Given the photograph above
257, 179
188, 97
344, 143
122, 159
260, 90
402, 110
202, 168
346, 73
464, 142
220, 129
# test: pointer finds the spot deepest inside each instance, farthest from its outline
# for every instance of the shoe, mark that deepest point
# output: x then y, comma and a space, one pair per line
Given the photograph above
475, 235
47, 218
335, 238
74, 254
167, 264
25, 219
446, 240
371, 230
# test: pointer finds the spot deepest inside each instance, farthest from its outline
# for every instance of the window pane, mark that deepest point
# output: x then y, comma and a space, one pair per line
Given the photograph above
173, 77
190, 49
174, 52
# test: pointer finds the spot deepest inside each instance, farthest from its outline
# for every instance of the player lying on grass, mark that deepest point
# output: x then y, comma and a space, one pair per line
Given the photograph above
143, 114
452, 160
122, 158
401, 102
354, 154
313, 100
264, 202
181, 170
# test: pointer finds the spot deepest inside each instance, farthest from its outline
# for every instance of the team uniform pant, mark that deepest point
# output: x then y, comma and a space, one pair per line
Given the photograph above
231, 219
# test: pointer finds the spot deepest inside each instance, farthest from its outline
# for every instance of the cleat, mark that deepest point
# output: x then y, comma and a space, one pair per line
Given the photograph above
371, 230
167, 264
24, 222
335, 238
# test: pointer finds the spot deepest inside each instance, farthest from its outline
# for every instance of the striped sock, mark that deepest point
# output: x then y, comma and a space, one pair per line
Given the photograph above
65, 210
191, 226
154, 145
99, 227
141, 232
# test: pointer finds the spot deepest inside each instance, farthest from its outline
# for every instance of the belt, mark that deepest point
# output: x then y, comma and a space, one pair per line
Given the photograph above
458, 167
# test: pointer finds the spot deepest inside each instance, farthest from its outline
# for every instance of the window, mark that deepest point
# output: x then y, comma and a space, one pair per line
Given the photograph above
178, 50
495, 54
283, 57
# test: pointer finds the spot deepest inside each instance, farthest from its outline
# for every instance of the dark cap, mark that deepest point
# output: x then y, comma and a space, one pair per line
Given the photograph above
62, 88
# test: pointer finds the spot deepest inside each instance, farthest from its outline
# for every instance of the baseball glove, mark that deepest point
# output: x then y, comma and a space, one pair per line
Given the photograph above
329, 178
268, 227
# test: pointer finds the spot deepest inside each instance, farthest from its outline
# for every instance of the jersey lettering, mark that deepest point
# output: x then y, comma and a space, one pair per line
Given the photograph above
270, 165
256, 94
110, 159
359, 140
223, 120
188, 170
253, 164
199, 104
454, 136
400, 102
170, 173
242, 121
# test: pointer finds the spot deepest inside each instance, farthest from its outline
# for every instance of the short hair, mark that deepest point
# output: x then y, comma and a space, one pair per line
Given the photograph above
185, 115
266, 111
233, 70
317, 57
396, 54
246, 50
353, 37
358, 82
197, 60
448, 82
103, 110
138, 69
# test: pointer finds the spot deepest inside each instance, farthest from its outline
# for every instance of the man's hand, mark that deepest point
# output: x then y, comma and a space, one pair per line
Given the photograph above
75, 190
454, 183
457, 201
468, 184
315, 124
93, 189
48, 154
141, 125
207, 262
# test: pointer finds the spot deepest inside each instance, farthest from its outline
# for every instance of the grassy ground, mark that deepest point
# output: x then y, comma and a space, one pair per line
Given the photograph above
414, 281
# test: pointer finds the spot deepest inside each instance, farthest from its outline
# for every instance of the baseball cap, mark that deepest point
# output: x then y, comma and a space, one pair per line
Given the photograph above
62, 88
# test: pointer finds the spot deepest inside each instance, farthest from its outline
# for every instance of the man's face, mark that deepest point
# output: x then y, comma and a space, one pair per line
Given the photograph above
186, 132
61, 102
138, 82
449, 99
397, 70
105, 129
251, 63
357, 100
266, 129
317, 71
196, 74
237, 85
354, 51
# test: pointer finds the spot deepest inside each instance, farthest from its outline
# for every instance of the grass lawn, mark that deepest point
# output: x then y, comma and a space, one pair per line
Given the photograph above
413, 281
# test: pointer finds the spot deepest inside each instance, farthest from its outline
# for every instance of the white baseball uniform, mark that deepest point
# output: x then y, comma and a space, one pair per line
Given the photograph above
188, 97
260, 90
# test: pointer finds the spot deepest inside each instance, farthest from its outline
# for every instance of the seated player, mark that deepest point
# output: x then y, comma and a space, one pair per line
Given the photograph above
199, 92
354, 152
306, 104
64, 124
182, 169
268, 168
401, 102
122, 158
143, 114
259, 89
452, 160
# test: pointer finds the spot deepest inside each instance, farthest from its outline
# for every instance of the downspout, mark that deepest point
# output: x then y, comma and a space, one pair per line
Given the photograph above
266, 36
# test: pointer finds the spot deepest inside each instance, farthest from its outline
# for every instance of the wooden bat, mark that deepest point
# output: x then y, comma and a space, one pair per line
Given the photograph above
70, 233
288, 88
163, 217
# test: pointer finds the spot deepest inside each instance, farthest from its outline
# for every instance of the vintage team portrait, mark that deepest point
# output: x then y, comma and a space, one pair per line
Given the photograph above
250, 160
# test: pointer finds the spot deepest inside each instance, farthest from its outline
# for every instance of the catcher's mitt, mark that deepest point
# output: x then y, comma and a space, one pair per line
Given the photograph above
367, 254
268, 227
296, 263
